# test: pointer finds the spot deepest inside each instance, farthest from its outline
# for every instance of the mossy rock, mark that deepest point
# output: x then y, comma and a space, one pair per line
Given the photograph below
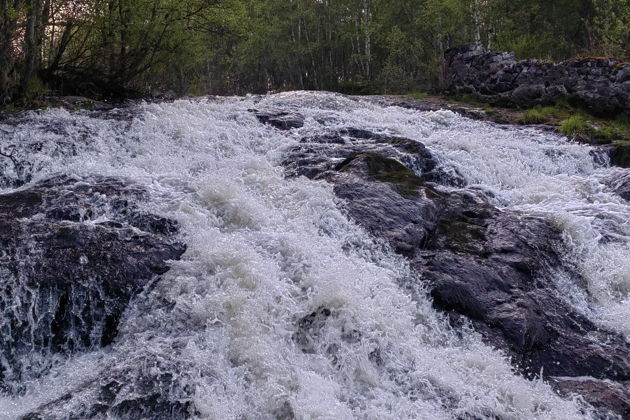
388, 170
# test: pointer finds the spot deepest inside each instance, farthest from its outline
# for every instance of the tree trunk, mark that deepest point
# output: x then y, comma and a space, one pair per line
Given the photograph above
32, 43
8, 24
476, 24
368, 39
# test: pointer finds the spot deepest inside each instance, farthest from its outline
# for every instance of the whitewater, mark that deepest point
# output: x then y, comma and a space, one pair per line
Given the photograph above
265, 250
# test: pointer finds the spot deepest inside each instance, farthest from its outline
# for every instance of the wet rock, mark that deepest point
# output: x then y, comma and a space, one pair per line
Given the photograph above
496, 268
598, 84
389, 204
75, 251
489, 268
149, 386
29, 141
620, 155
280, 119
611, 397
619, 182
321, 155
309, 327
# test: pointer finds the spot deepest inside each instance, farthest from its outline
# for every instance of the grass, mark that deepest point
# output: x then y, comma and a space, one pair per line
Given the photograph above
576, 126
417, 95
569, 120
538, 115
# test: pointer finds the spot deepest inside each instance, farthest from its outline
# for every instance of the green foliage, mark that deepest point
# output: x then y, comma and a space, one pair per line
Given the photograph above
544, 115
118, 47
35, 87
576, 126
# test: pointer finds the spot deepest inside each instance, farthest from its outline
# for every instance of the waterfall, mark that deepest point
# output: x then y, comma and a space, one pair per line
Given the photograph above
282, 305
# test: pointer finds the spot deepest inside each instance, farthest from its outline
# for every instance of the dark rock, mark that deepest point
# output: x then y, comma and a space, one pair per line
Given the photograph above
74, 253
619, 182
597, 84
383, 212
380, 168
608, 396
496, 268
317, 156
620, 155
309, 328
280, 119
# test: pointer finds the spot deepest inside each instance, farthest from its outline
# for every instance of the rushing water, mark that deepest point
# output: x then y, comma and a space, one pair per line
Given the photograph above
264, 251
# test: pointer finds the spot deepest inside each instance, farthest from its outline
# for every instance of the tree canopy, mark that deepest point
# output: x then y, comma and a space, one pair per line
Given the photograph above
107, 48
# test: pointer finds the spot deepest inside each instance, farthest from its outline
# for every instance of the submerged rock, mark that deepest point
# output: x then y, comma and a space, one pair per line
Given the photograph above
619, 182
489, 268
280, 119
149, 386
75, 251
609, 396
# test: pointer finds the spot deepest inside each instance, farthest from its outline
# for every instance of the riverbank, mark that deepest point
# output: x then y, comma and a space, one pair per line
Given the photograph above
577, 124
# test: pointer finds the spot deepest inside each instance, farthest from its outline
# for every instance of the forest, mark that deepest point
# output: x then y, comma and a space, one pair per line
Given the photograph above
121, 48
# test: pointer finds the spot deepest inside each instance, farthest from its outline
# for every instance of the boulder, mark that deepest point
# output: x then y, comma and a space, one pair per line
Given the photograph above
74, 252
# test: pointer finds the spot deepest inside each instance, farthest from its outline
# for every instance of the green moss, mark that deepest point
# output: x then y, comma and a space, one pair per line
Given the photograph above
536, 116
10, 107
388, 170
461, 234
87, 104
622, 123
594, 130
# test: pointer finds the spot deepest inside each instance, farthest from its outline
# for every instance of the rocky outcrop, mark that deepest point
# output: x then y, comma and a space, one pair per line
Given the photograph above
601, 85
73, 253
490, 268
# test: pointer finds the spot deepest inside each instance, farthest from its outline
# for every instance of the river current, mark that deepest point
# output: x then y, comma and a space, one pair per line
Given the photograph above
264, 250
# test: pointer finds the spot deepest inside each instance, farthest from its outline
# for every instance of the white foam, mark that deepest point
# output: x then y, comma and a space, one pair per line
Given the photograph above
265, 251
